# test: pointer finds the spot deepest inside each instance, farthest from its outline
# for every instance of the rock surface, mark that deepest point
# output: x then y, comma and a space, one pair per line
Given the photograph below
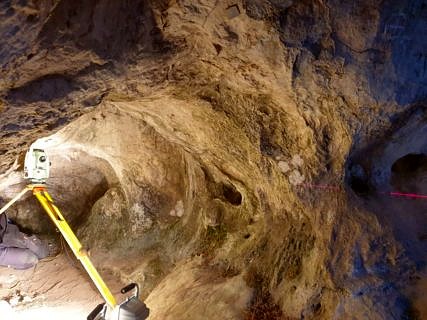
249, 147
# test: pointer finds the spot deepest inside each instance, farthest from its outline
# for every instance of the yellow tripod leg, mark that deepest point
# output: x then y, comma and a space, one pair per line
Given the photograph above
55, 215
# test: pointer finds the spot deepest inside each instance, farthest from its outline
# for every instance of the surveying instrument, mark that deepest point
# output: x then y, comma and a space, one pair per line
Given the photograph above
36, 171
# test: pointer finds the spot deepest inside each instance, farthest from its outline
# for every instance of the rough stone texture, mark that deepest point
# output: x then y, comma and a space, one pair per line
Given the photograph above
189, 283
259, 136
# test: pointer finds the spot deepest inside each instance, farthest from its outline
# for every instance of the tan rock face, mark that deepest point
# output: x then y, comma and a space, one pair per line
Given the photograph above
234, 158
191, 282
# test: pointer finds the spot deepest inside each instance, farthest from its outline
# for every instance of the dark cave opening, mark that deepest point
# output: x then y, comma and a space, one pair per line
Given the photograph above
409, 173
409, 163
360, 186
358, 180
406, 216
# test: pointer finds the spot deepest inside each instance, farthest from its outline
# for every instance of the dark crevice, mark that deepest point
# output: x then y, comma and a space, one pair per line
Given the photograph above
230, 194
223, 191
96, 193
266, 144
314, 47
218, 48
360, 186
358, 180
46, 88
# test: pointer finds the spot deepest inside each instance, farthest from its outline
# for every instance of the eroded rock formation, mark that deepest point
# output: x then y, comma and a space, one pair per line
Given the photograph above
233, 157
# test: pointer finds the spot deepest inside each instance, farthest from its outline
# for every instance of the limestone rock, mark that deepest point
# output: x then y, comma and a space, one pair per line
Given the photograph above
249, 147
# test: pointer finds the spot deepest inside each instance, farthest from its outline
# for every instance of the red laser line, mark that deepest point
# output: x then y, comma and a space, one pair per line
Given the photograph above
338, 189
408, 195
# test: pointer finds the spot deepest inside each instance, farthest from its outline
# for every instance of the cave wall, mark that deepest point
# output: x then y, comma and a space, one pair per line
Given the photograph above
203, 125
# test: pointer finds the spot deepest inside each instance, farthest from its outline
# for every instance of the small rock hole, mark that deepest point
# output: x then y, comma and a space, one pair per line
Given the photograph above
218, 48
317, 307
231, 194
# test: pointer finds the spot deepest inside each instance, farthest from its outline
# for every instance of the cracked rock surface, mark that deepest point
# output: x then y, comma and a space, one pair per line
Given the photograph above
234, 158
